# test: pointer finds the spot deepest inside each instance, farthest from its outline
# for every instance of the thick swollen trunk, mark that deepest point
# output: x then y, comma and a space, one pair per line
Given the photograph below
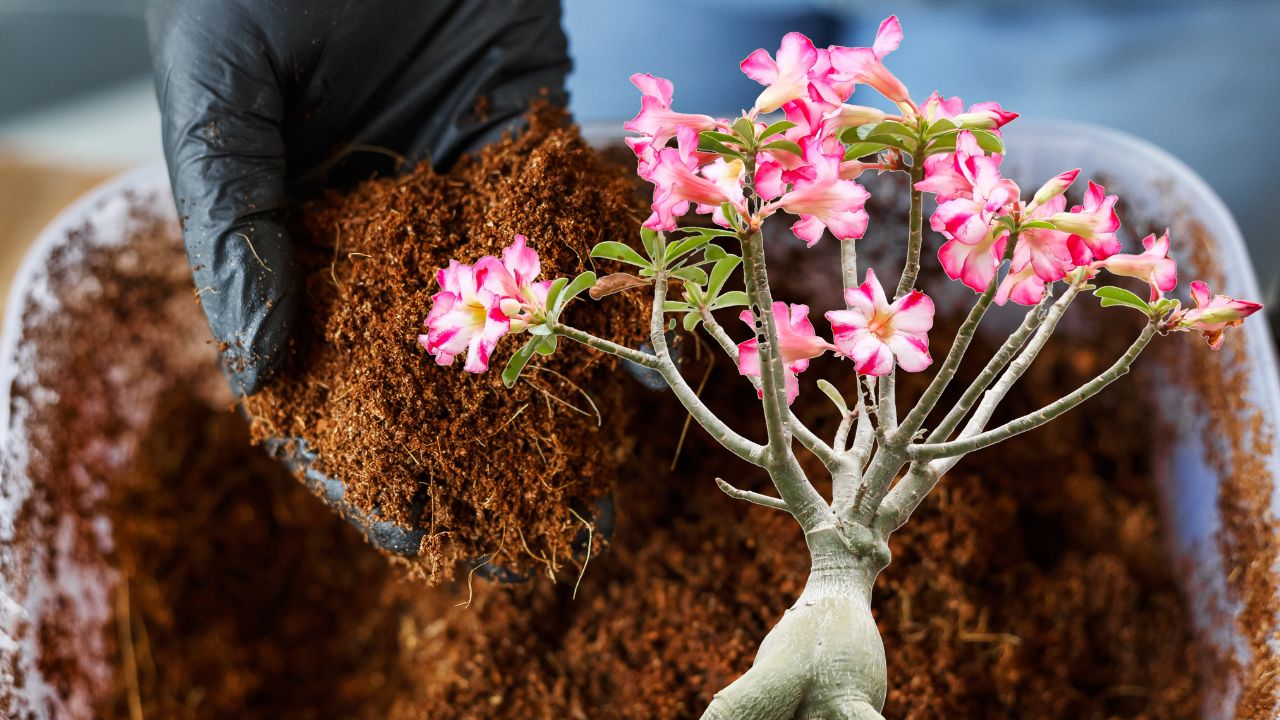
824, 660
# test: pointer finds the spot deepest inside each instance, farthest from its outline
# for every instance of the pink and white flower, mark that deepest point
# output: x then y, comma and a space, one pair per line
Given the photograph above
874, 332
657, 123
786, 78
1092, 226
1212, 315
1021, 286
825, 88
676, 184
465, 317
1044, 250
974, 264
866, 65
955, 174
1153, 265
728, 175
797, 342
935, 107
976, 196
656, 118
823, 201
514, 280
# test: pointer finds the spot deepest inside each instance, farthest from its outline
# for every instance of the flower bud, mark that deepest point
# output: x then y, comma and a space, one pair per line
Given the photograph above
510, 307
847, 116
990, 118
1056, 185
1212, 315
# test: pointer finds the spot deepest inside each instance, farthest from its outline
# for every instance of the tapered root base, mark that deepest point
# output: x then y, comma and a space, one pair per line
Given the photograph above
823, 661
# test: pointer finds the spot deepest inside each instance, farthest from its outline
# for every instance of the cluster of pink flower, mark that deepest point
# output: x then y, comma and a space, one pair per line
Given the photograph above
478, 304
1052, 243
873, 332
743, 170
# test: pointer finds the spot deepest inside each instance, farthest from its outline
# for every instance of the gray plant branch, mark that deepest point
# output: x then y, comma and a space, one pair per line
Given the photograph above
959, 346
1035, 419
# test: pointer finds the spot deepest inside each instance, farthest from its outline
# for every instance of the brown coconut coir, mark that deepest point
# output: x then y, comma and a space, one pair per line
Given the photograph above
1033, 583
496, 472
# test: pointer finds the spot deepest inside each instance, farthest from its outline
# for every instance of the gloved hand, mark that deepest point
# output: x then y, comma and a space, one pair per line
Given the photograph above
261, 97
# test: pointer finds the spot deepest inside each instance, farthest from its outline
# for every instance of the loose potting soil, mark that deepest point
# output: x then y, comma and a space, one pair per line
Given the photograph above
506, 474
1034, 583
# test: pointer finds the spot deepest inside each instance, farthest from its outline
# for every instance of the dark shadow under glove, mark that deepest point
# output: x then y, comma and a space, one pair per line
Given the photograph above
259, 97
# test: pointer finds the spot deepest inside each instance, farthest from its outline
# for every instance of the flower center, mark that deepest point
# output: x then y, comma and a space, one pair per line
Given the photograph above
881, 325
476, 314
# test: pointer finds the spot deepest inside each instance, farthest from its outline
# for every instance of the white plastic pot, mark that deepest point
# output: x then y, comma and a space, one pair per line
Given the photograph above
36, 577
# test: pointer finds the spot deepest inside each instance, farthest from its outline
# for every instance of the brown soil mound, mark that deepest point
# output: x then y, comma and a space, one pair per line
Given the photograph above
494, 471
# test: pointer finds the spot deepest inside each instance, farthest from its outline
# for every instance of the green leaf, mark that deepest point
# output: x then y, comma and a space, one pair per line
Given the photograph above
540, 330
675, 306
613, 250
722, 137
685, 246
516, 364
1112, 295
733, 298
714, 252
988, 141
1165, 306
583, 282
785, 146
831, 392
720, 273
547, 345
1037, 225
906, 145
710, 231
731, 214
691, 274
706, 143
691, 321
943, 144
939, 127
553, 294
654, 243
776, 128
746, 130
862, 149
893, 128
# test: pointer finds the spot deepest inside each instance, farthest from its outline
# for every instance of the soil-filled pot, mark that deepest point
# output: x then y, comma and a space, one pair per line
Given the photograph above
1215, 464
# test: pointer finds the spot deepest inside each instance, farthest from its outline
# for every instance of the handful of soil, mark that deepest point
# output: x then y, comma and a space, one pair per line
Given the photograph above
497, 473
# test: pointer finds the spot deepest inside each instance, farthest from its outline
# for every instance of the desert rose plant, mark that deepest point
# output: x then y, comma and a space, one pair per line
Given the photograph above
824, 658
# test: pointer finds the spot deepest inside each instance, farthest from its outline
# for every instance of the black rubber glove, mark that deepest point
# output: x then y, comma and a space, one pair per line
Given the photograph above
259, 97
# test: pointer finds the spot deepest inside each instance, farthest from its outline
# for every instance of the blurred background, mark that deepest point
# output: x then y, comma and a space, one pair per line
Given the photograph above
1196, 78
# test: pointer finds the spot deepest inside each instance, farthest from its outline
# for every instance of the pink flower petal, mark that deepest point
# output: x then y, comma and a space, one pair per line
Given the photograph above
888, 36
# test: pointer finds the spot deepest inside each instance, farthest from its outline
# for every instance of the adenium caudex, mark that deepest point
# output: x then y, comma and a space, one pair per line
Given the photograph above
824, 659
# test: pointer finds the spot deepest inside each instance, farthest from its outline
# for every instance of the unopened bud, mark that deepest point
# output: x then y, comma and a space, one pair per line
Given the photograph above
510, 307
1056, 185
